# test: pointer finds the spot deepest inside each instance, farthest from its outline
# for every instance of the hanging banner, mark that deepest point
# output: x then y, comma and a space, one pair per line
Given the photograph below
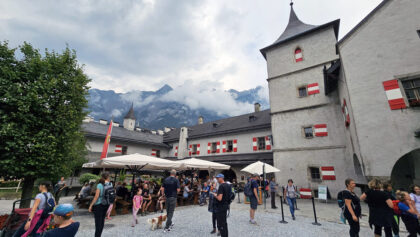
322, 192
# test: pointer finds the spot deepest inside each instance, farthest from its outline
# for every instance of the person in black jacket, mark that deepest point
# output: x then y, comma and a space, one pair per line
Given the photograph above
222, 199
212, 207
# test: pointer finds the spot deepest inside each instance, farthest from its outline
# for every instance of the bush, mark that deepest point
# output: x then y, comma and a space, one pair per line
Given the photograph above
85, 178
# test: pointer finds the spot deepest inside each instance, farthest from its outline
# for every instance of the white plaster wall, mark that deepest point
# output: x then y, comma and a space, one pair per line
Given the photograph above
383, 48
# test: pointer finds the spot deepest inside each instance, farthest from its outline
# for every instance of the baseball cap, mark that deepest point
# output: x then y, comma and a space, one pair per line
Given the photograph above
64, 210
220, 176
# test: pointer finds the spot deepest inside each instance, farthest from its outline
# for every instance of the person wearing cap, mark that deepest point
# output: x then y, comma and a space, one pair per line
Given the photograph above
222, 204
254, 199
171, 188
66, 226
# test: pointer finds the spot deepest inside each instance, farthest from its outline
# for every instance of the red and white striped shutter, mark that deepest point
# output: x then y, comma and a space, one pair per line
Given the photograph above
267, 143
320, 130
209, 148
218, 147
235, 145
346, 113
254, 144
393, 93
298, 55
305, 193
327, 173
224, 146
118, 148
176, 151
153, 152
198, 149
313, 89
190, 150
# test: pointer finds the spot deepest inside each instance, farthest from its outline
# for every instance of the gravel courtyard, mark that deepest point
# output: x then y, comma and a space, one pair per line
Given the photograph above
196, 221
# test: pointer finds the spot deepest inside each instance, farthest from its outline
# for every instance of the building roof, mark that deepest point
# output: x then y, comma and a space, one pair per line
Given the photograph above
97, 130
296, 28
242, 123
130, 114
363, 21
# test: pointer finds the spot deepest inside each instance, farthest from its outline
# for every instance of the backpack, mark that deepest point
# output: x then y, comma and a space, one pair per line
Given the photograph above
109, 195
340, 199
49, 206
397, 210
248, 190
232, 195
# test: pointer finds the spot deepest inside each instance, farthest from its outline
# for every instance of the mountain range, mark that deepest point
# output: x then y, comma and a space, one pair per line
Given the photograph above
166, 108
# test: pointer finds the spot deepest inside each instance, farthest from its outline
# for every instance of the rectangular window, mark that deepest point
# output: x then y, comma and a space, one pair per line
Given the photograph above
303, 91
157, 153
229, 146
214, 147
315, 175
308, 131
261, 143
412, 91
124, 150
194, 149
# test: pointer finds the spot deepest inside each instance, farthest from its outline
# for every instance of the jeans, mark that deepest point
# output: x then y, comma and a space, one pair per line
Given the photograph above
273, 199
203, 197
170, 208
99, 212
221, 216
213, 218
354, 227
22, 230
291, 202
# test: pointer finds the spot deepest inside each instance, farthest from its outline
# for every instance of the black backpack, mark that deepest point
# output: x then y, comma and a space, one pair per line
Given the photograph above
49, 206
232, 194
108, 195
248, 190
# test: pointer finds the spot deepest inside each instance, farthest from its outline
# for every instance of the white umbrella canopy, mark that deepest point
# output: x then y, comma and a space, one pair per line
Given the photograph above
257, 167
134, 161
199, 164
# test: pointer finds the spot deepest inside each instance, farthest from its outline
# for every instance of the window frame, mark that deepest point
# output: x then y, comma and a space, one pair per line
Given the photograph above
213, 147
157, 152
296, 60
229, 143
414, 88
261, 141
316, 174
304, 132
302, 87
194, 149
124, 150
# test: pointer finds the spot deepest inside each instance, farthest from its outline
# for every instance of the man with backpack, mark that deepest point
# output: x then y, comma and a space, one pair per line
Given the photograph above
104, 197
251, 191
223, 199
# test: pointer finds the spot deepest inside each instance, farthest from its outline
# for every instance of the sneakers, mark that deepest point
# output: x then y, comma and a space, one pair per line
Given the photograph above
253, 222
218, 233
293, 217
213, 231
166, 230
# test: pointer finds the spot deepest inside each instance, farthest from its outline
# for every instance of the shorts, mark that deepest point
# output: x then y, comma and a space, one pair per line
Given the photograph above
253, 202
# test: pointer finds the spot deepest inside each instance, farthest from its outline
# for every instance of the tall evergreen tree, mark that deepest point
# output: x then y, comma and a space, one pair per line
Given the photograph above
42, 105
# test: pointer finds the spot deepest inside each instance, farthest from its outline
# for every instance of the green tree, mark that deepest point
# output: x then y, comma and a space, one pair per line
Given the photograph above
42, 105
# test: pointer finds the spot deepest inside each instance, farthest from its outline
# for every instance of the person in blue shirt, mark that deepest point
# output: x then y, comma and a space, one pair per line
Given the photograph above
97, 207
204, 194
63, 218
410, 215
254, 199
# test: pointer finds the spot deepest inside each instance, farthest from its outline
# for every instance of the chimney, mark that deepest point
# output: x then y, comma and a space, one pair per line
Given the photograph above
257, 107
200, 120
166, 129
103, 121
115, 124
160, 132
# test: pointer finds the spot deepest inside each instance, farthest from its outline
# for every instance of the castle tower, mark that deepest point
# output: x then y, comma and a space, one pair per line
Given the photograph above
130, 119
309, 144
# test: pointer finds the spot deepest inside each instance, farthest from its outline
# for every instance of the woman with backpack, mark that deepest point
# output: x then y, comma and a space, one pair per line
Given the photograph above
39, 215
409, 214
380, 208
99, 204
352, 208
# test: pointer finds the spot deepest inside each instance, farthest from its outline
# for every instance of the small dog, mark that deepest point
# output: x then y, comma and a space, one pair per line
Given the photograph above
156, 223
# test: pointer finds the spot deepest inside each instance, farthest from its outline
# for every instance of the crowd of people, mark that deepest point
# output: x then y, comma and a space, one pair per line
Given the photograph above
386, 207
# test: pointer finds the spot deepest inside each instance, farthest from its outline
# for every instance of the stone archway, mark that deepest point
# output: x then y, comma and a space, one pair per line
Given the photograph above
406, 170
229, 175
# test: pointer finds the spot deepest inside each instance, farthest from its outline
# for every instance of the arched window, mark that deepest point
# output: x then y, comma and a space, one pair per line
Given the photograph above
298, 55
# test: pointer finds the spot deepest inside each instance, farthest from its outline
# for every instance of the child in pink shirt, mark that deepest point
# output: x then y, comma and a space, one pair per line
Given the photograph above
137, 203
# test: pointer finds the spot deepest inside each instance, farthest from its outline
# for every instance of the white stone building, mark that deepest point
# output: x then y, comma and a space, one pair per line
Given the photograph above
347, 108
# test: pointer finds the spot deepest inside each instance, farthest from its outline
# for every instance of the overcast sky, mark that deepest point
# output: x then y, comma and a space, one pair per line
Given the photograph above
144, 44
